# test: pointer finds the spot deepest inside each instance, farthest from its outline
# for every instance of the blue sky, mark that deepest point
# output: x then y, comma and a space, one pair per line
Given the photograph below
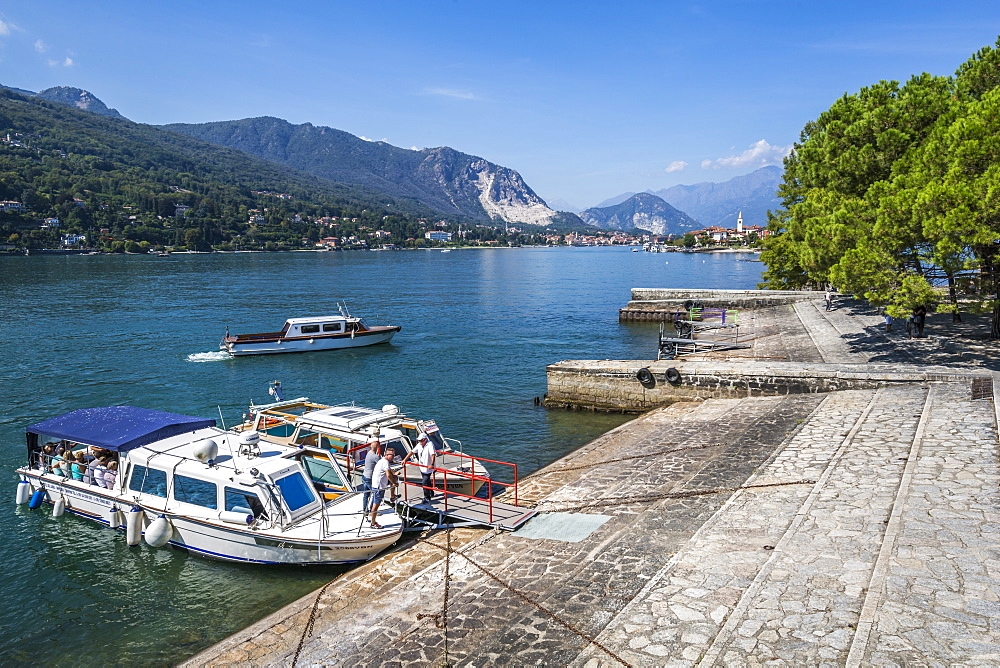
585, 99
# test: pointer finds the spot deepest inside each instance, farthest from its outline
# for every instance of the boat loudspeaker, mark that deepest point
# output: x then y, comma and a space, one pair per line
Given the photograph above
206, 451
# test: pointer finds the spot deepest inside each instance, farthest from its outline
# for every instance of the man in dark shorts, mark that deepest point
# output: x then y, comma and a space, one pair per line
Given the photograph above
380, 483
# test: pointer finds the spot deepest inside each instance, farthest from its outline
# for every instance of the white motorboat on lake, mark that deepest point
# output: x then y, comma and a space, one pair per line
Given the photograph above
299, 335
183, 481
343, 431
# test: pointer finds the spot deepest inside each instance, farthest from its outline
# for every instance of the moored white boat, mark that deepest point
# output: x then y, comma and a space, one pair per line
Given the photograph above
344, 431
184, 482
299, 335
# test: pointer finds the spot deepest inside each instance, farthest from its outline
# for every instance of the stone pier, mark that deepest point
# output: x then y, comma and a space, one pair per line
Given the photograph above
849, 527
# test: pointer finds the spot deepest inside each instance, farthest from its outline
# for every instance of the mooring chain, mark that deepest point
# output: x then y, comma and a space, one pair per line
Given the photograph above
307, 629
524, 597
643, 456
648, 498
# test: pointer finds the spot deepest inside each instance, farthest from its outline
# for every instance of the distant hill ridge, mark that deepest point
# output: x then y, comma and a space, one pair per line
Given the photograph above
74, 97
440, 178
643, 211
720, 203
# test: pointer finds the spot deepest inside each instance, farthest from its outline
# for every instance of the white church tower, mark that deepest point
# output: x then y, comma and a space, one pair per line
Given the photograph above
739, 223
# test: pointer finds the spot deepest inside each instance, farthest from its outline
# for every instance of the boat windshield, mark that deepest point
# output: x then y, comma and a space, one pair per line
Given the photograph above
296, 491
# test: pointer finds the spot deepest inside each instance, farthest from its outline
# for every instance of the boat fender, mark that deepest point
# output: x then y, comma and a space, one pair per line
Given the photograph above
673, 376
114, 517
645, 377
233, 517
206, 451
133, 526
688, 305
159, 532
23, 492
59, 507
37, 498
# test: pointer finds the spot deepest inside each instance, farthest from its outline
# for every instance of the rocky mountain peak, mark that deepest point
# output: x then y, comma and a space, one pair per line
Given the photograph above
79, 98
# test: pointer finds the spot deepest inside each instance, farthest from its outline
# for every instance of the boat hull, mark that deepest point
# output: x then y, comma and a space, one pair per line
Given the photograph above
276, 345
215, 540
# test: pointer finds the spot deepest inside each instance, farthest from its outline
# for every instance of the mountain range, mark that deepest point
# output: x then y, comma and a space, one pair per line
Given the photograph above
453, 183
643, 211
442, 178
720, 203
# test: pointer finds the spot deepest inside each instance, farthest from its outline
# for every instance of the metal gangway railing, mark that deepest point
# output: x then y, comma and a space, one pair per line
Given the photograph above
468, 507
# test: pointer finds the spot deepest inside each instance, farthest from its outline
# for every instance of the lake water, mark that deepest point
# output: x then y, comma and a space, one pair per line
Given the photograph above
479, 326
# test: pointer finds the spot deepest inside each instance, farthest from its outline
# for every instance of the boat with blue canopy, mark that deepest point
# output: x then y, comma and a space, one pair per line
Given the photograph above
171, 479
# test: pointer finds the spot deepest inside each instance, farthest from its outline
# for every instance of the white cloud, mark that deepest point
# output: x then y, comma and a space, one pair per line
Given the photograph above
40, 46
760, 154
67, 62
675, 166
451, 92
7, 28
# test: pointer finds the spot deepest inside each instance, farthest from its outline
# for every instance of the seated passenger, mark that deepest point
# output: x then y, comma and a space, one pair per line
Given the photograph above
46, 458
77, 468
99, 470
111, 475
59, 466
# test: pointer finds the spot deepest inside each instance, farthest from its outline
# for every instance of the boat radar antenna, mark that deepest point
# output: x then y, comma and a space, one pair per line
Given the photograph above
342, 307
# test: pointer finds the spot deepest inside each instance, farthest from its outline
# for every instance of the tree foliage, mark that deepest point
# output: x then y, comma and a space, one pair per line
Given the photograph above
893, 195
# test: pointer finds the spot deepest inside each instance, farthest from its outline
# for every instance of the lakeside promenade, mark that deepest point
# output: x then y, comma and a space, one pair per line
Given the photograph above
853, 527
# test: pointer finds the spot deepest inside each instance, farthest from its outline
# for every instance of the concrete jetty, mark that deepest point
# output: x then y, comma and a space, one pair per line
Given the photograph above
849, 527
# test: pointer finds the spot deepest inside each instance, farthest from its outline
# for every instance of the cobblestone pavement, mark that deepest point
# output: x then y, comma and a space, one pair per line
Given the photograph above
889, 559
855, 332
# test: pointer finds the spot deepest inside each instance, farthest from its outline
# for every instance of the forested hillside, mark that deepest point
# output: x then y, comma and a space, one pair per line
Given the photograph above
143, 184
893, 194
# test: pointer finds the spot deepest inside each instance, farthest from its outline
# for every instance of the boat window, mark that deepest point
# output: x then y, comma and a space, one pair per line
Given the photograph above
240, 501
396, 445
331, 327
197, 492
296, 490
322, 471
306, 437
334, 443
310, 329
148, 481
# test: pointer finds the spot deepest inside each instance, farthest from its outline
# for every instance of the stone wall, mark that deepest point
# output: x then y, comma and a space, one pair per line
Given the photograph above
661, 303
612, 385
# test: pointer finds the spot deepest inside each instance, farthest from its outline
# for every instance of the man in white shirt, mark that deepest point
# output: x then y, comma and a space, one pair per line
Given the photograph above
380, 482
424, 454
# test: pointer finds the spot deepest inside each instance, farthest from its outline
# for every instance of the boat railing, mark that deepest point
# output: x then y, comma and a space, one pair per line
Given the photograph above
443, 475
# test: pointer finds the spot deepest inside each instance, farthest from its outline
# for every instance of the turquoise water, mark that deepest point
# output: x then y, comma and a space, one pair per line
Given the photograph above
479, 326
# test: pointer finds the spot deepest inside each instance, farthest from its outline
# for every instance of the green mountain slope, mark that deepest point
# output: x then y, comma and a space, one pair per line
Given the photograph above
144, 183
443, 179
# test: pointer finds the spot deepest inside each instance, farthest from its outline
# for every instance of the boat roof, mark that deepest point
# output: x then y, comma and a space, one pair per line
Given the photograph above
179, 452
317, 319
118, 428
350, 418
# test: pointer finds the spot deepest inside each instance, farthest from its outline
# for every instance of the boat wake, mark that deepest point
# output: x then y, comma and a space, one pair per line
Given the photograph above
215, 356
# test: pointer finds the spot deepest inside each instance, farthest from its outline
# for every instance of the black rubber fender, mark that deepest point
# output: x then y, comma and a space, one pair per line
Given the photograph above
688, 305
645, 377
673, 376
